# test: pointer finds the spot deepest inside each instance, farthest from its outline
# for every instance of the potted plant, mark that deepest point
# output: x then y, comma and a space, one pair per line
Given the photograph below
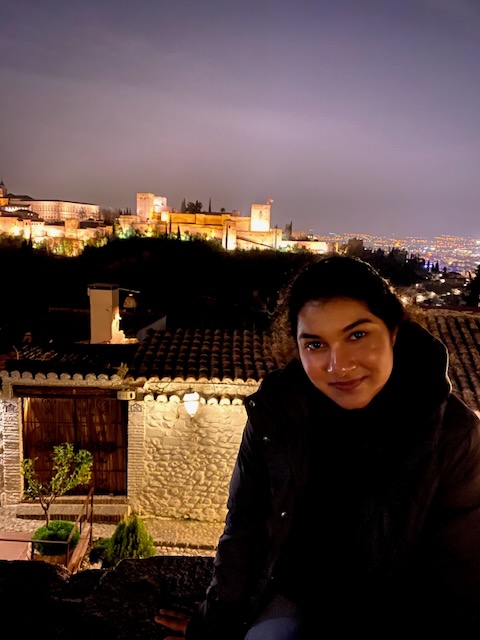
60, 532
70, 469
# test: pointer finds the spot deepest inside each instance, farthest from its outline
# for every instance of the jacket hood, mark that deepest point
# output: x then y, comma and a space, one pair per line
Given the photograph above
420, 371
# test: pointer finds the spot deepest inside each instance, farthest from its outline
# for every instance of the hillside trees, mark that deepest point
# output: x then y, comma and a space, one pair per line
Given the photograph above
472, 296
194, 207
193, 282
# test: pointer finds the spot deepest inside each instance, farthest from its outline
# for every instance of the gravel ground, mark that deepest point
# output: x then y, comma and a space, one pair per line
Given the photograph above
171, 537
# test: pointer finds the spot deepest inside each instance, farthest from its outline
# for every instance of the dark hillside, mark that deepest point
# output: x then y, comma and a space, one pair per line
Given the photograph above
195, 283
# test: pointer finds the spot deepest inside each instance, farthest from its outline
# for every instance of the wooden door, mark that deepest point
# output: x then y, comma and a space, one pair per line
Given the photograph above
95, 423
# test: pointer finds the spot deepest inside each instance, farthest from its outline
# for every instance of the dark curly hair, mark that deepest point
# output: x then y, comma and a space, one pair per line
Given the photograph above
334, 276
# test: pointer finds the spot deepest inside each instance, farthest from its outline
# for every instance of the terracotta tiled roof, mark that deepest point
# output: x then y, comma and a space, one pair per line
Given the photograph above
204, 353
236, 354
83, 359
460, 332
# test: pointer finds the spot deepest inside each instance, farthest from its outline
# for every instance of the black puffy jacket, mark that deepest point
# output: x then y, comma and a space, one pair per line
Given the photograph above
411, 465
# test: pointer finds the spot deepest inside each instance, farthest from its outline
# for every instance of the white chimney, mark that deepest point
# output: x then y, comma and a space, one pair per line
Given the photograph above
104, 312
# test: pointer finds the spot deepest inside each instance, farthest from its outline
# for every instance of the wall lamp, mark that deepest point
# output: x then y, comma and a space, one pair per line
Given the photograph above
191, 402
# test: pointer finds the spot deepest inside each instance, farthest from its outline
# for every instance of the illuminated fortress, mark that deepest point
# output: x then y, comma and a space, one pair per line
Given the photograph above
233, 230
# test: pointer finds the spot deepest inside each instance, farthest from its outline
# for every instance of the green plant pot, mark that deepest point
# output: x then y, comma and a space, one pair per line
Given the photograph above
58, 530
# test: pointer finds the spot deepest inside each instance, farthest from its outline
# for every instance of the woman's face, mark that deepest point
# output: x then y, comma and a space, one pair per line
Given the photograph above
346, 351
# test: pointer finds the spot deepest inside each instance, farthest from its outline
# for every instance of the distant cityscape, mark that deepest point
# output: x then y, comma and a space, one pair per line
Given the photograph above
453, 252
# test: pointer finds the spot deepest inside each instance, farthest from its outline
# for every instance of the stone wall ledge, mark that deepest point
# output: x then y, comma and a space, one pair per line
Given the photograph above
47, 601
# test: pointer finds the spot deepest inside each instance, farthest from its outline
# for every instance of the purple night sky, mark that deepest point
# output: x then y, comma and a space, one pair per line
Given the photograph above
353, 115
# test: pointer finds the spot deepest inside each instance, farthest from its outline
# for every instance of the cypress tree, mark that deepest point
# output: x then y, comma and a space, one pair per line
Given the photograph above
130, 540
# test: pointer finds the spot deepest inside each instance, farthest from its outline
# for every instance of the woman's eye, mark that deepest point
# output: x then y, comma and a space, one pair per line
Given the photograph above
312, 346
356, 335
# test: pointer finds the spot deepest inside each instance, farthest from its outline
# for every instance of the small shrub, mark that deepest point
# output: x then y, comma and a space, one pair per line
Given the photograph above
100, 551
129, 540
56, 530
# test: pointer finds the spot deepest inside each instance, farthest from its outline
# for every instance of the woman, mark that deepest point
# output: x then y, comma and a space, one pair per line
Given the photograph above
354, 504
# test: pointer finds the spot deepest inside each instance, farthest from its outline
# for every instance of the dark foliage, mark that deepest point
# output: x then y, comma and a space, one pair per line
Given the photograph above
195, 282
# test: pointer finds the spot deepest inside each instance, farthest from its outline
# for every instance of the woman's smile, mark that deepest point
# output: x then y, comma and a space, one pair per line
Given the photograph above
348, 385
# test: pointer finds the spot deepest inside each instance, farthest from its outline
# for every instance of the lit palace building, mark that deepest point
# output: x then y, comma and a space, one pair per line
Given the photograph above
51, 222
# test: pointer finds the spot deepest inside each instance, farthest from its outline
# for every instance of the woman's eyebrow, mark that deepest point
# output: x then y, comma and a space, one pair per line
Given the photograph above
308, 336
352, 325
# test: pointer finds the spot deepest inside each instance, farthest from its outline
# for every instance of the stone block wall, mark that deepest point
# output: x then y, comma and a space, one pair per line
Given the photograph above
187, 462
